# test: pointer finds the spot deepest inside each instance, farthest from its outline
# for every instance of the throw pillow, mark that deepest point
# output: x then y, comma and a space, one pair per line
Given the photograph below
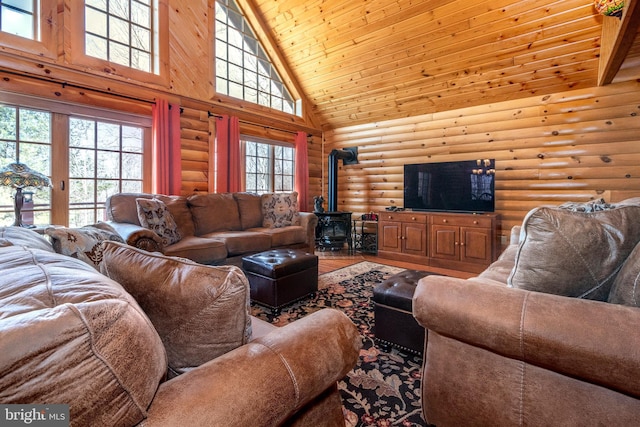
572, 253
280, 210
84, 243
154, 215
591, 206
199, 311
626, 287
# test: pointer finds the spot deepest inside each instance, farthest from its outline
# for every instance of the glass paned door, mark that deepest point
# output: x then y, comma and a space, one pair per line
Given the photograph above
104, 159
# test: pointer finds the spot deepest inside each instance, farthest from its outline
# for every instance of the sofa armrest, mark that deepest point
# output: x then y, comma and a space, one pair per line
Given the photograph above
589, 340
138, 236
309, 221
264, 382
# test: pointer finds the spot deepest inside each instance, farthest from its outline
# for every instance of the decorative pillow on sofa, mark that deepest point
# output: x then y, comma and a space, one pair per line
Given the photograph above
154, 215
280, 210
573, 253
199, 311
626, 287
83, 243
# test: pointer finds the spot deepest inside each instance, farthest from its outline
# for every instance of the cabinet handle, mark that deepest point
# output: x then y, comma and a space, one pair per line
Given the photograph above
390, 217
461, 243
456, 243
444, 220
475, 222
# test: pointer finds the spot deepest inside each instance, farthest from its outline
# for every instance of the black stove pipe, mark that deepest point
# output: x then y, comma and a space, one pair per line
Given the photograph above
348, 156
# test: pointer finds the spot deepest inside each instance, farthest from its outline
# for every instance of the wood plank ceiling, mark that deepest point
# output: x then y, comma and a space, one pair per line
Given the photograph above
362, 61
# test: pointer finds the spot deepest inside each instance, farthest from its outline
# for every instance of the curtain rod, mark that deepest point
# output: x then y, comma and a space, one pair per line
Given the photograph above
210, 114
75, 86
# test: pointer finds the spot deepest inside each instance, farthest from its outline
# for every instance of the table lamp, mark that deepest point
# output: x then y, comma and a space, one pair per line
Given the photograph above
19, 176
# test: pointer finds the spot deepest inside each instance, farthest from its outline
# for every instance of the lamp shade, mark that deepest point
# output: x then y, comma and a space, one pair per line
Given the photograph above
609, 7
19, 175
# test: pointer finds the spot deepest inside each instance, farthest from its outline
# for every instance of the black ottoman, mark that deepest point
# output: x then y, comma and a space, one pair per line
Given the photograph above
393, 316
281, 276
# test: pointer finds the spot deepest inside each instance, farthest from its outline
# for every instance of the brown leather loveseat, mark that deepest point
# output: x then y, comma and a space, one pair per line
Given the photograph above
152, 340
210, 228
548, 334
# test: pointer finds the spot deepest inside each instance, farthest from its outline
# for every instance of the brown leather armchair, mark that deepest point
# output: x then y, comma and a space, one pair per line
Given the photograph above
159, 341
504, 356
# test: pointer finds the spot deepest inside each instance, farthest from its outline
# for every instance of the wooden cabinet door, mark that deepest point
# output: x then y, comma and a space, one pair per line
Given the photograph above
475, 245
414, 239
445, 242
389, 234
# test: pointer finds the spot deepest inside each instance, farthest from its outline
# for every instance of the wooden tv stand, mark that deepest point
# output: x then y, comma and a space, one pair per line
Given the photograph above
457, 241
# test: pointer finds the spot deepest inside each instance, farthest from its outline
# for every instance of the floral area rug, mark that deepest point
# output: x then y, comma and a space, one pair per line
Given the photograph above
384, 388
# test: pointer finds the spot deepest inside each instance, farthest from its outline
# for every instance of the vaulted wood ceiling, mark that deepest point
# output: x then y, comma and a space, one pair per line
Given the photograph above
361, 61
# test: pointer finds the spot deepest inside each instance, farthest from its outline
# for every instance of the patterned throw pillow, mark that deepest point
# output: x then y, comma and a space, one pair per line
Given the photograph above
280, 210
154, 215
84, 243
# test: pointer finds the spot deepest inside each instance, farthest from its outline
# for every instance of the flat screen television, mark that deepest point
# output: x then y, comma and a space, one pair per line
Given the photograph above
462, 186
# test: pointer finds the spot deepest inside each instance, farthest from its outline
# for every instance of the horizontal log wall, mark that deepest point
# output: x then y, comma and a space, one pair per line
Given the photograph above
570, 146
197, 134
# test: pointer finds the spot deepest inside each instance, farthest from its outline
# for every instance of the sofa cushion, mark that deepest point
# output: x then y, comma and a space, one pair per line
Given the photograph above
200, 312
71, 335
280, 209
214, 212
626, 287
284, 236
122, 207
202, 250
154, 215
241, 242
179, 208
574, 253
250, 207
83, 243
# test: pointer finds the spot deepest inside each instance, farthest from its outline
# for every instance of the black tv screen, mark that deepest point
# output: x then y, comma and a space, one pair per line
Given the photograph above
463, 186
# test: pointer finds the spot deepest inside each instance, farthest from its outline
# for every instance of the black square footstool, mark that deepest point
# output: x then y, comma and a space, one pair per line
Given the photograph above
281, 276
394, 322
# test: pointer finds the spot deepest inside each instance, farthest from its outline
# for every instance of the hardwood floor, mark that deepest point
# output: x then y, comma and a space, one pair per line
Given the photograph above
329, 261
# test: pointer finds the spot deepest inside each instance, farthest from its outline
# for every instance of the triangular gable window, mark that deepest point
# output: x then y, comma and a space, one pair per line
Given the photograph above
243, 69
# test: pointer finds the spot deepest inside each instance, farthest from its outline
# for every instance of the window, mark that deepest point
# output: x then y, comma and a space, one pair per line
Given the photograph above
104, 159
243, 69
19, 17
25, 137
122, 32
89, 153
268, 167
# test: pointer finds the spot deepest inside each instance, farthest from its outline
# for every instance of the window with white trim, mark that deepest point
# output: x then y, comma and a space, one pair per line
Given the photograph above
19, 17
243, 69
269, 167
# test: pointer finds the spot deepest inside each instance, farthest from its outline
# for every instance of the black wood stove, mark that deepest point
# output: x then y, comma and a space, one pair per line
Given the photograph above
334, 227
333, 230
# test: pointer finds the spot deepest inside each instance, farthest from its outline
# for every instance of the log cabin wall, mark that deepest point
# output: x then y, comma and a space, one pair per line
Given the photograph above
569, 146
53, 69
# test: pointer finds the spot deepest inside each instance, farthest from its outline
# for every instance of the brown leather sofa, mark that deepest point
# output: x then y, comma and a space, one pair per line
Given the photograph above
526, 342
213, 227
152, 340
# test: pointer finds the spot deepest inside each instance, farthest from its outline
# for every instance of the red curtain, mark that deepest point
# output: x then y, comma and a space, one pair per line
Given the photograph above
165, 129
227, 155
302, 171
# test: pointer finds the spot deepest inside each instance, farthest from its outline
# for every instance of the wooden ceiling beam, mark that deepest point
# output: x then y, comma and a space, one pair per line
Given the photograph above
618, 36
